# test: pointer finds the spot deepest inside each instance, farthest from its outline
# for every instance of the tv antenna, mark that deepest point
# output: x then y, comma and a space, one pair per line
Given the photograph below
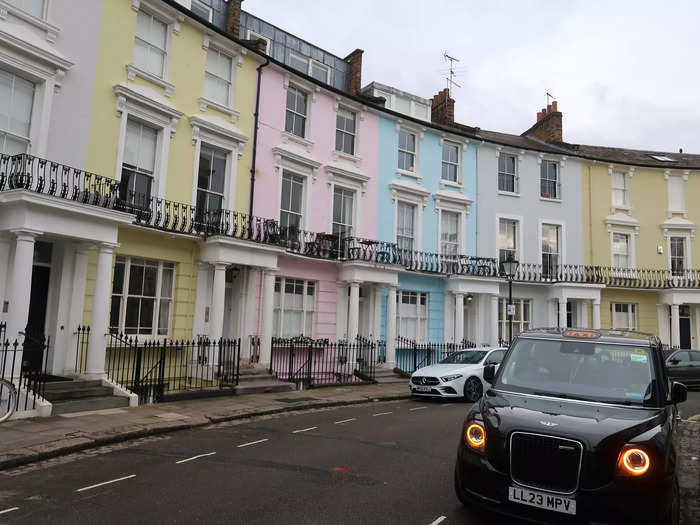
452, 74
550, 96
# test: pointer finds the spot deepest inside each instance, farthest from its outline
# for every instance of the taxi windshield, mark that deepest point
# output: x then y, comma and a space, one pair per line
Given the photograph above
578, 369
469, 357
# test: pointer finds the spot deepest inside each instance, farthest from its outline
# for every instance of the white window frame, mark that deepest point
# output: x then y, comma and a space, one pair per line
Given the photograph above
304, 192
503, 319
632, 248
42, 23
631, 316
412, 194
458, 182
414, 239
562, 239
135, 105
680, 179
355, 206
687, 245
559, 181
626, 177
208, 8
252, 35
399, 298
460, 232
400, 171
452, 203
4, 133
232, 80
225, 47
302, 167
306, 116
341, 153
519, 246
350, 180
156, 308
310, 62
277, 328
172, 23
516, 175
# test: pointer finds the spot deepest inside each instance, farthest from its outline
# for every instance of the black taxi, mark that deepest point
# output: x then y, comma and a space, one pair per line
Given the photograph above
577, 427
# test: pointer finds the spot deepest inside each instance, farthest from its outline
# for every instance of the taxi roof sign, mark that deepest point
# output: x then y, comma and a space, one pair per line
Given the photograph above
582, 334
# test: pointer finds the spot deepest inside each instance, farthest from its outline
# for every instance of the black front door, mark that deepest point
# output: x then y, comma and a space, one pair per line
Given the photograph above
33, 356
685, 332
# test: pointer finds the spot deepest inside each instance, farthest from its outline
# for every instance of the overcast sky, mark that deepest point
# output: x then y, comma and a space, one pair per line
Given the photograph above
625, 73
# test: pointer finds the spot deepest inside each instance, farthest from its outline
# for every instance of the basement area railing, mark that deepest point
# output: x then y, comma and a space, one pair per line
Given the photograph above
412, 355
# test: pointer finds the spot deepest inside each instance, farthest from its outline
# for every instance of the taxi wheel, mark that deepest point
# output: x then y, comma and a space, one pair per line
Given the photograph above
673, 513
459, 490
473, 389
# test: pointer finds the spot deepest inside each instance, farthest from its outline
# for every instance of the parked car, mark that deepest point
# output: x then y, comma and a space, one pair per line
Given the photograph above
684, 366
458, 375
576, 426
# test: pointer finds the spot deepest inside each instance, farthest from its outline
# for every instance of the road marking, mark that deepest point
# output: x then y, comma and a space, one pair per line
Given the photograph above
439, 520
381, 414
9, 510
106, 483
252, 443
417, 408
194, 457
304, 430
345, 421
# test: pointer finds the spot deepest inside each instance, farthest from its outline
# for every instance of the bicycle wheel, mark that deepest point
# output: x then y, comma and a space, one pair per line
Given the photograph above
8, 399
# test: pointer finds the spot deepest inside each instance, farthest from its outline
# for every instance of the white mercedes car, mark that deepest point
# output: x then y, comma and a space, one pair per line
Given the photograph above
458, 375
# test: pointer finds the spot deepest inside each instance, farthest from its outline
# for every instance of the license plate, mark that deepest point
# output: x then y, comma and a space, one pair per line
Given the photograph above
422, 389
542, 500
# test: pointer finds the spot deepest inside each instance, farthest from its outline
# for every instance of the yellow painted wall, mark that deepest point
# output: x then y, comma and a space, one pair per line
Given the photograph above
646, 301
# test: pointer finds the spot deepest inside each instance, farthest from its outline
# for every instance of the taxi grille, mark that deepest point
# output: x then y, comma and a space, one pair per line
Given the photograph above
545, 462
419, 380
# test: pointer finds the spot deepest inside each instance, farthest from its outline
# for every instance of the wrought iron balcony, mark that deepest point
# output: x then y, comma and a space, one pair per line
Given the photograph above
58, 180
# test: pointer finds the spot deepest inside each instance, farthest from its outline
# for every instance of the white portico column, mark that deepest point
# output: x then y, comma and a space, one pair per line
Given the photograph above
77, 302
662, 315
391, 327
494, 321
4, 267
99, 319
562, 312
377, 314
20, 284
596, 314
675, 326
459, 317
267, 311
354, 312
583, 314
199, 323
217, 302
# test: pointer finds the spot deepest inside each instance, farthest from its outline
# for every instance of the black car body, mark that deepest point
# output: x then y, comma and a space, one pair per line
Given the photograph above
684, 366
571, 451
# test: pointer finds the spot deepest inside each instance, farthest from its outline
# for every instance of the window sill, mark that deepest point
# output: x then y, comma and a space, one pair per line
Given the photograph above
510, 193
205, 103
51, 30
405, 173
287, 137
450, 184
342, 155
621, 207
549, 199
132, 72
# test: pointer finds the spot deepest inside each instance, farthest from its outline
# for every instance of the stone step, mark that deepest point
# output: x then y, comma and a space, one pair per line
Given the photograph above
88, 404
78, 393
391, 380
60, 386
254, 378
259, 387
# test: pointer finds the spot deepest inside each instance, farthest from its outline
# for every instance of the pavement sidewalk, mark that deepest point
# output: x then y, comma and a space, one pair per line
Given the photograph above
24, 441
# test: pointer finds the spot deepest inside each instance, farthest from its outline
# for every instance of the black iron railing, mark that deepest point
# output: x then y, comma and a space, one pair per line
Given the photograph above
25, 365
412, 355
310, 363
82, 346
161, 370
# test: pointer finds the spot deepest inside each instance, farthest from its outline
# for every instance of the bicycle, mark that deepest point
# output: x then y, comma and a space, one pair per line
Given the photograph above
8, 399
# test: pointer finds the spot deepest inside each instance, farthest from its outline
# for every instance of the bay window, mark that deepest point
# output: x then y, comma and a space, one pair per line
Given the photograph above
294, 307
16, 101
142, 296
150, 44
412, 315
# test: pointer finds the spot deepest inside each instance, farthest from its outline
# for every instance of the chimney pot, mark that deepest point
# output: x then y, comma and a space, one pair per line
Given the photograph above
548, 127
554, 106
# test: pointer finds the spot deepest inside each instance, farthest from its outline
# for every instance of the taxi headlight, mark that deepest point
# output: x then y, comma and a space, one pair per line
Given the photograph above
633, 461
447, 379
475, 435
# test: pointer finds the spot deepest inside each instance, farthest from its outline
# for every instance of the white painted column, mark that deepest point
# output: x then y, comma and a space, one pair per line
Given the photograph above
4, 267
20, 284
200, 300
662, 315
562, 312
596, 314
391, 327
377, 314
99, 318
459, 317
478, 318
354, 313
62, 333
494, 321
583, 314
341, 328
77, 301
267, 311
218, 297
675, 326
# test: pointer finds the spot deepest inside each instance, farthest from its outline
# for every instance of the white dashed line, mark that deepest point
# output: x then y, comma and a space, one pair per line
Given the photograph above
304, 430
106, 483
194, 457
9, 510
439, 520
381, 414
416, 408
252, 443
345, 421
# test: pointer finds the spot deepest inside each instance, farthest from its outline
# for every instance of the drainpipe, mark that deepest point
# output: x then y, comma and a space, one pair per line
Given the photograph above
255, 137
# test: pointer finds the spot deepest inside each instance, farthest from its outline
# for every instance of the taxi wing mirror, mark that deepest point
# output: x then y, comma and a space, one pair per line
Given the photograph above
679, 392
489, 373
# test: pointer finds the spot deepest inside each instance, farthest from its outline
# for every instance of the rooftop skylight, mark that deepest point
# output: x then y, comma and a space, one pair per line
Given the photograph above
662, 158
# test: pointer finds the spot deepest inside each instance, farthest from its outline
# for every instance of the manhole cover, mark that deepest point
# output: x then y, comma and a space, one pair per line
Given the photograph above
295, 399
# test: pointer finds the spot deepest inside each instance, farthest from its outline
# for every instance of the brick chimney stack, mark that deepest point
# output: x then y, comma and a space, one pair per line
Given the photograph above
548, 126
442, 110
233, 18
355, 76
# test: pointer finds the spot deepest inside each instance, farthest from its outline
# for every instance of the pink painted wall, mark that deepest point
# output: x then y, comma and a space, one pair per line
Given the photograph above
322, 133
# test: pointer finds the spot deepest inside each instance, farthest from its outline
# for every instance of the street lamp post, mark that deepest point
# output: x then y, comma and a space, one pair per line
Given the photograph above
509, 268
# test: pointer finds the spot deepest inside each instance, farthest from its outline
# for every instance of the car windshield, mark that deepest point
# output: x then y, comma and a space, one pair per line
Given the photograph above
470, 357
580, 370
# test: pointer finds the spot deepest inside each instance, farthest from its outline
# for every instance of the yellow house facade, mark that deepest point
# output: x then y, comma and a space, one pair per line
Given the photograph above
639, 232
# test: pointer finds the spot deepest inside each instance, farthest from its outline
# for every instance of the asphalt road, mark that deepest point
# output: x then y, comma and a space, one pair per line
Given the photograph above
381, 463
692, 406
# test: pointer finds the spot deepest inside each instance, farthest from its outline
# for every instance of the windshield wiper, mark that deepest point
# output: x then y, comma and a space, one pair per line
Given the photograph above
562, 396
